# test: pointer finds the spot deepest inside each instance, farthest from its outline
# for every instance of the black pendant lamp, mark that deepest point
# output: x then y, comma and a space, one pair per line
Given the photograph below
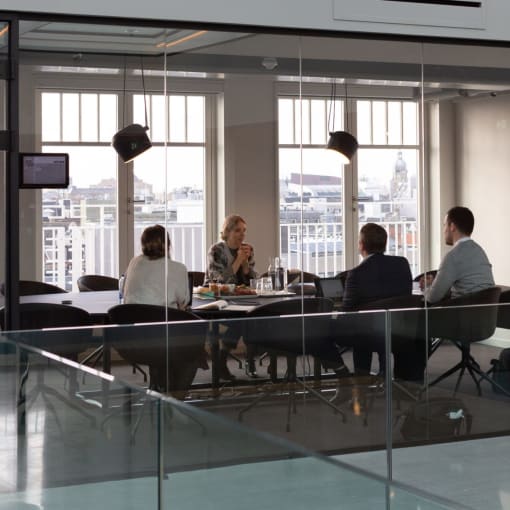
342, 142
131, 140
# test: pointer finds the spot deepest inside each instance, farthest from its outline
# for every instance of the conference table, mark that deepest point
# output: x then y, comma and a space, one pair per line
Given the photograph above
97, 304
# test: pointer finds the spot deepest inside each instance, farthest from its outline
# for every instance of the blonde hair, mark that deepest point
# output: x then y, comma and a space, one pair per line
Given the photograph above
229, 224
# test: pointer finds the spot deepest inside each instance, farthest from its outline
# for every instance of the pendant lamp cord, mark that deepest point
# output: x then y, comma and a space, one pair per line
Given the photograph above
124, 93
144, 96
331, 122
346, 107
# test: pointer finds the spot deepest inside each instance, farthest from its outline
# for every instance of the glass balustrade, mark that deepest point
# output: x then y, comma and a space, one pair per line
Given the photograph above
75, 437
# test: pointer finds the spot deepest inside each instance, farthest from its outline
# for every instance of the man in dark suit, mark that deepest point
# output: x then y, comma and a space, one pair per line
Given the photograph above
377, 277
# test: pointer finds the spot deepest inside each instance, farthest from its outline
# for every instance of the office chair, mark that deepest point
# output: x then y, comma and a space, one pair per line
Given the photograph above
268, 328
463, 321
197, 277
503, 322
94, 282
33, 287
432, 273
173, 352
302, 282
406, 338
63, 342
504, 311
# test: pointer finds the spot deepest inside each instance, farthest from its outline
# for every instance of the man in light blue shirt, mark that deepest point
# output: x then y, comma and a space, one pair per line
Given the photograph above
465, 268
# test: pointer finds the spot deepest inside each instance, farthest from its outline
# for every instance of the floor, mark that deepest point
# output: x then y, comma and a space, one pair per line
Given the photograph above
72, 455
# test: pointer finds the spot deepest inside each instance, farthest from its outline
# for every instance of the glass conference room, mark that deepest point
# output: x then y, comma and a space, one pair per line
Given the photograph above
238, 123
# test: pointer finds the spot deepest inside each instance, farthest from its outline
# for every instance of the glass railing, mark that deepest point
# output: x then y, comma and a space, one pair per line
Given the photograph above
76, 438
454, 426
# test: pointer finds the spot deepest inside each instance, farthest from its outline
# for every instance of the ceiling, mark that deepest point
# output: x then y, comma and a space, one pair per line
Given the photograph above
116, 39
363, 61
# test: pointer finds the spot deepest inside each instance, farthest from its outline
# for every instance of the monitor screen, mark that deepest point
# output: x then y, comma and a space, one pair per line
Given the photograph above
44, 170
332, 288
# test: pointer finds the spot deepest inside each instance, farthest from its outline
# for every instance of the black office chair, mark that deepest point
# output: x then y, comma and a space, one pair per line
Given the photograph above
463, 321
173, 353
504, 311
269, 328
63, 342
503, 322
94, 282
197, 277
33, 287
302, 282
432, 273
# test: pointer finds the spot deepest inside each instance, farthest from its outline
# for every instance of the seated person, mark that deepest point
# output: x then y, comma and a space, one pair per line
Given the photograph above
145, 283
231, 261
377, 277
465, 268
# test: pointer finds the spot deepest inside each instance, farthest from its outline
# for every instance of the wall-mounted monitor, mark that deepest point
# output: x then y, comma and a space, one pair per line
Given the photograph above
44, 170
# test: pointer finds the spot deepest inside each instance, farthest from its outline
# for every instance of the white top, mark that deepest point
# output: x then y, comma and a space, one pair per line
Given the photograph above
145, 282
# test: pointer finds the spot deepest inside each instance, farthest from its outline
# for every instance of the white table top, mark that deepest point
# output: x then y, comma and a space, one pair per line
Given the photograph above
97, 302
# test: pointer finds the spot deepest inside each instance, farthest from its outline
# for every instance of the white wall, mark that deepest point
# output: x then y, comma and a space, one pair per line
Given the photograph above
489, 22
440, 142
251, 182
483, 175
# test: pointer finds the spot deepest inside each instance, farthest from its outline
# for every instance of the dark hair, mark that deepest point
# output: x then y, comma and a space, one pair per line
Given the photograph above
462, 218
153, 242
373, 238
230, 224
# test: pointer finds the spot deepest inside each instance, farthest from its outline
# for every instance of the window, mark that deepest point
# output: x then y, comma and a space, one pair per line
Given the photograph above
170, 180
312, 220
311, 225
80, 233
80, 224
388, 163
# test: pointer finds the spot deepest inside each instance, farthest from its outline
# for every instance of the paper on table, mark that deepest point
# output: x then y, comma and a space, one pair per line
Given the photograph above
221, 304
213, 305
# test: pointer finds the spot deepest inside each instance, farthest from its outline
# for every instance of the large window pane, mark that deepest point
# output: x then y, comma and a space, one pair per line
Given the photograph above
50, 112
387, 194
89, 117
180, 208
107, 116
70, 117
286, 121
319, 202
379, 125
196, 119
80, 223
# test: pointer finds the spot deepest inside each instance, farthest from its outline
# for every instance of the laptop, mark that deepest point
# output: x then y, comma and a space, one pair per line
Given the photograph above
330, 288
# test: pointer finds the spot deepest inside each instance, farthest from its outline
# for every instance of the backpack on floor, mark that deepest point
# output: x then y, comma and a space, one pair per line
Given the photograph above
435, 418
501, 370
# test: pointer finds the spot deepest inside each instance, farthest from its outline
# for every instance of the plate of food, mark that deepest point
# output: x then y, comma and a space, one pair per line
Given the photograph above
224, 289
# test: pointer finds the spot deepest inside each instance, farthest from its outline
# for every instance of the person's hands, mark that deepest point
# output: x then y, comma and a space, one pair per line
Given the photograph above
247, 249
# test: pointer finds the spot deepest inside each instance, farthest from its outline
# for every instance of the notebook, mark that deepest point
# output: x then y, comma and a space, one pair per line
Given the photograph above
331, 288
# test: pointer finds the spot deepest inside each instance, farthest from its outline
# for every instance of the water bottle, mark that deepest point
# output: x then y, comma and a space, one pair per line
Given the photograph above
271, 272
121, 288
278, 275
282, 274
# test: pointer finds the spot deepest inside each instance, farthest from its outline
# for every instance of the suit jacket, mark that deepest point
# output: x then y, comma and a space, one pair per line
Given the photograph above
377, 277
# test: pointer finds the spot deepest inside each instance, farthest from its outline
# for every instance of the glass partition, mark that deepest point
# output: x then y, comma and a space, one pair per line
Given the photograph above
4, 126
238, 122
73, 437
443, 423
